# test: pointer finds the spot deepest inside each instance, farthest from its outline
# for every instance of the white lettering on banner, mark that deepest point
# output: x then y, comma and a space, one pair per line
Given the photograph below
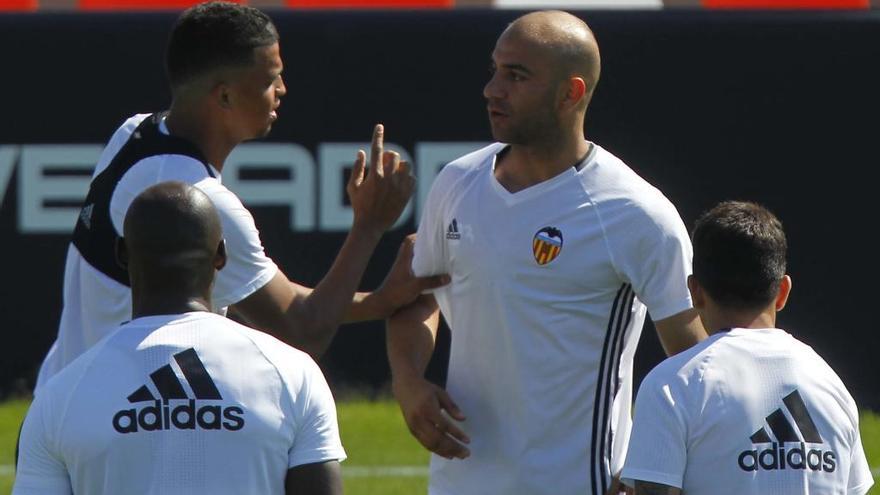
52, 178
296, 192
335, 158
7, 163
35, 187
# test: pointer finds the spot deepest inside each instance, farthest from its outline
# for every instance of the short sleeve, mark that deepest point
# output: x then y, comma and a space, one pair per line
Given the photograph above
247, 266
40, 469
654, 254
429, 255
658, 443
316, 437
860, 479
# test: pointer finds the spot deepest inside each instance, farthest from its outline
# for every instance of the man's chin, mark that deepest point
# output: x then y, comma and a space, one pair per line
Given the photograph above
261, 135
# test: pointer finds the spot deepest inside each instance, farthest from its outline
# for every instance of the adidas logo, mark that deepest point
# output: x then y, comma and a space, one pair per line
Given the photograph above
797, 457
162, 415
85, 216
452, 231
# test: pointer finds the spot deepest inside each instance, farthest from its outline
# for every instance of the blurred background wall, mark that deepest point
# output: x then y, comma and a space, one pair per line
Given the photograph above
779, 107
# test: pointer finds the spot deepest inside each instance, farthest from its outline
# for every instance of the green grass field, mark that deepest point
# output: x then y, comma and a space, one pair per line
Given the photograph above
383, 459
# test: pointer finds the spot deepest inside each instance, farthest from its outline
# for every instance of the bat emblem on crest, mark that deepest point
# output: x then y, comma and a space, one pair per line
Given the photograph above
546, 245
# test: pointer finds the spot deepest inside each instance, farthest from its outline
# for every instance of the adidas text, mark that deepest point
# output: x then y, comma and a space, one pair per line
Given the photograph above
776, 457
162, 416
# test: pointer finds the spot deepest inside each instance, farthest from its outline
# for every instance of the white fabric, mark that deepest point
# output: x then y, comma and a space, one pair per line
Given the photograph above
696, 412
95, 305
536, 347
285, 415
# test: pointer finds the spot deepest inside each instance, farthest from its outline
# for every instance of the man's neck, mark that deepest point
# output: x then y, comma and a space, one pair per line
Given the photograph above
190, 123
718, 320
526, 165
145, 306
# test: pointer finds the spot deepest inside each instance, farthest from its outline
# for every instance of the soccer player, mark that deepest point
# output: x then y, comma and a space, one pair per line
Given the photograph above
181, 400
750, 410
556, 250
224, 68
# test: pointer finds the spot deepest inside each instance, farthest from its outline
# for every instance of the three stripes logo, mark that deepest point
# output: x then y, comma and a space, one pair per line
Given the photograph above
546, 245
168, 413
452, 232
85, 215
801, 455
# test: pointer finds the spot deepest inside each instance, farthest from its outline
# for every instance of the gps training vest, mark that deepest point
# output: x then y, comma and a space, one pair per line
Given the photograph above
94, 235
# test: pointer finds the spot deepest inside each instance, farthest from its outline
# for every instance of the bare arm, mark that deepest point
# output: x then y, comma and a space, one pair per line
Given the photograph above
400, 287
322, 478
308, 318
647, 488
411, 334
680, 331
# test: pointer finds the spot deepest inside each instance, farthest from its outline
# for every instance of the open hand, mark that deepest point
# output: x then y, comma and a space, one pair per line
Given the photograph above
423, 404
401, 286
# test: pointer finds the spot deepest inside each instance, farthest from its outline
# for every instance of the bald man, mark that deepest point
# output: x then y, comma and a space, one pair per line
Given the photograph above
557, 250
181, 400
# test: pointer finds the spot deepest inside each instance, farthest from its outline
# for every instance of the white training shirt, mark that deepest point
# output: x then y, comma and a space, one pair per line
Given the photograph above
95, 304
178, 404
548, 295
747, 411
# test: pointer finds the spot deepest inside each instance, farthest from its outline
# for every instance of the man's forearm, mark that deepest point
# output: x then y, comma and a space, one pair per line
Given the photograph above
366, 306
325, 306
410, 336
680, 331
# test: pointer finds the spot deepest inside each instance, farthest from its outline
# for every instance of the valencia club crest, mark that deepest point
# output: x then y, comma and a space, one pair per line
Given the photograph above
546, 245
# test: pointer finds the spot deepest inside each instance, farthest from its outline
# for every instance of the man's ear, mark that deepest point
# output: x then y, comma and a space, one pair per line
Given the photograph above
697, 295
121, 253
222, 95
575, 91
784, 292
220, 257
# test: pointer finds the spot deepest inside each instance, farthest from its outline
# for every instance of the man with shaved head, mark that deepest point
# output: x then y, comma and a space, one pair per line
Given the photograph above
181, 400
557, 250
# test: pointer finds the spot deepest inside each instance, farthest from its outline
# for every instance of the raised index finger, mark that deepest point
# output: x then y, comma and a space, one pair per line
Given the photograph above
377, 149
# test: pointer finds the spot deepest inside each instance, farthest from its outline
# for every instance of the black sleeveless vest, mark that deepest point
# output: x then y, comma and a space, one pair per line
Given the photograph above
94, 235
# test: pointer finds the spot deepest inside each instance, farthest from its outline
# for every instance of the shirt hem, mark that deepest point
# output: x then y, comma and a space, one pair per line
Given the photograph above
629, 477
670, 310
247, 289
319, 456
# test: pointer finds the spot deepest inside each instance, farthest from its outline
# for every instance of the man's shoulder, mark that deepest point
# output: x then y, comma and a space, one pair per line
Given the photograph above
64, 384
453, 174
279, 354
477, 157
616, 188
683, 367
133, 122
472, 161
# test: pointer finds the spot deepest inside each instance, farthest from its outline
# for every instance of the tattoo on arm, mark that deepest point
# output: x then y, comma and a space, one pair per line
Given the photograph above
647, 488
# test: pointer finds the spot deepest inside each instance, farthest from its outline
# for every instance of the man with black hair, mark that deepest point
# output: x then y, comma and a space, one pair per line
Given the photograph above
224, 68
181, 400
750, 410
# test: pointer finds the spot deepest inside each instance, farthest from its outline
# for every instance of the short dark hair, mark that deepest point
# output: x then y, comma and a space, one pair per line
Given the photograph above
215, 34
739, 254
